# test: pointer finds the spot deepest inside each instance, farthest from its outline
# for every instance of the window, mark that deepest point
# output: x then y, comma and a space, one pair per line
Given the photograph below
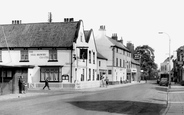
53, 55
109, 71
6, 73
51, 72
120, 63
83, 53
117, 62
93, 57
123, 63
81, 36
0, 55
24, 55
116, 50
93, 74
82, 75
89, 56
99, 63
89, 74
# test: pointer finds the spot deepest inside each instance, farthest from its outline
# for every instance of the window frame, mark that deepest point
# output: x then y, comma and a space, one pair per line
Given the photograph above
24, 55
53, 55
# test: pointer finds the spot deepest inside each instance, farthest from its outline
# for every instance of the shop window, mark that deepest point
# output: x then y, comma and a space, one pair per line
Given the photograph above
52, 55
6, 73
24, 55
51, 72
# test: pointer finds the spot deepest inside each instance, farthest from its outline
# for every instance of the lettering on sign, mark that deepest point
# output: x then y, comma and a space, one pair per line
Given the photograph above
40, 55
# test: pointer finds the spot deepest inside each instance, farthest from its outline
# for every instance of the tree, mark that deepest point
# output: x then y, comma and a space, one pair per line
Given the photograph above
147, 64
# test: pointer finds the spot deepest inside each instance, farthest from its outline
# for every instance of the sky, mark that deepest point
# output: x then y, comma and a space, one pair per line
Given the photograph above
136, 21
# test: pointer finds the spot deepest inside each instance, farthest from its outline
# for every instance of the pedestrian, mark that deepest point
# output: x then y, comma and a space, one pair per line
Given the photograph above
101, 83
46, 83
20, 84
175, 80
121, 80
24, 86
106, 81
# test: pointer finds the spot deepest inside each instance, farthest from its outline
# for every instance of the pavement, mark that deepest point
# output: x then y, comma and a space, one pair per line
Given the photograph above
175, 104
36, 91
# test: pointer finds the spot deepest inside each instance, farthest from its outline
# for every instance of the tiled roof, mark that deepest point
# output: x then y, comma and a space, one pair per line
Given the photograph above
55, 34
118, 44
100, 56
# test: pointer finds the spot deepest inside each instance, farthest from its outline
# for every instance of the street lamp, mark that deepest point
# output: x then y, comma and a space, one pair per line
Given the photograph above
169, 86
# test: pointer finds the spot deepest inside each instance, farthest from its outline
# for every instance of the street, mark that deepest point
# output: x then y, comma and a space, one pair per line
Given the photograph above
139, 99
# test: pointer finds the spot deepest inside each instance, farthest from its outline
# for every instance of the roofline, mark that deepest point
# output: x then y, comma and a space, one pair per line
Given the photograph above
102, 58
121, 48
71, 47
39, 23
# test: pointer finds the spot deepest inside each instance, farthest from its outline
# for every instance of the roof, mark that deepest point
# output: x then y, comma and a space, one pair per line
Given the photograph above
55, 34
167, 59
118, 44
100, 56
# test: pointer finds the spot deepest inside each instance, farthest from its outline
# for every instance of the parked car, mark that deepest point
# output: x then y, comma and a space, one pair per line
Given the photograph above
164, 81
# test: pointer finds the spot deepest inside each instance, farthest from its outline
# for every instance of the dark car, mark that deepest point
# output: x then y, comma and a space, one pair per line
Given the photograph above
164, 81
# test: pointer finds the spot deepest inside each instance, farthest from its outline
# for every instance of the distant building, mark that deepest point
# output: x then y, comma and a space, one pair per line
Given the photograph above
135, 64
164, 67
119, 57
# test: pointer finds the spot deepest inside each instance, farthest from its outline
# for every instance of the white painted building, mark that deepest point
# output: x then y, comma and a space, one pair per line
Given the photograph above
119, 57
101, 66
58, 50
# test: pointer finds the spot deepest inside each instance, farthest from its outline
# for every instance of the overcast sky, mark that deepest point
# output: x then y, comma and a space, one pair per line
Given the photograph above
138, 21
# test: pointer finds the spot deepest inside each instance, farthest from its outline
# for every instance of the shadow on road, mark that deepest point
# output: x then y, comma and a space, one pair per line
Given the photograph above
121, 107
162, 88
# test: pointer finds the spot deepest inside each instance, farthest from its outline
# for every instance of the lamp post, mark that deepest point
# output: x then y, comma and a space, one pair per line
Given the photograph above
169, 86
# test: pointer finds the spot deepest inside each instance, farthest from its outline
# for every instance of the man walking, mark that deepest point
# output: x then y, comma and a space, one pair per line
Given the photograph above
47, 83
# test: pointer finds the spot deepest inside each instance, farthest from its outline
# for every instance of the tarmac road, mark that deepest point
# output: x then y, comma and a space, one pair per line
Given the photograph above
139, 99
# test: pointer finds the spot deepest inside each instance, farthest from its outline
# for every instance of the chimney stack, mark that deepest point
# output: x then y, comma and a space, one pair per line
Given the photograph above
102, 27
121, 40
16, 21
68, 19
114, 36
50, 17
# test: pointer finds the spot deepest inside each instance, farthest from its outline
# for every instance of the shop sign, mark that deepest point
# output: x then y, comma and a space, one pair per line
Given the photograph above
180, 62
133, 70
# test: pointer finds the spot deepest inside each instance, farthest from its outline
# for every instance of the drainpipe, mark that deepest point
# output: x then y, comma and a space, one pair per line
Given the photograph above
71, 66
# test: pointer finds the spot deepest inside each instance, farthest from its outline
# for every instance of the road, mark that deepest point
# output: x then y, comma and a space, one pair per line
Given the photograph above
140, 99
